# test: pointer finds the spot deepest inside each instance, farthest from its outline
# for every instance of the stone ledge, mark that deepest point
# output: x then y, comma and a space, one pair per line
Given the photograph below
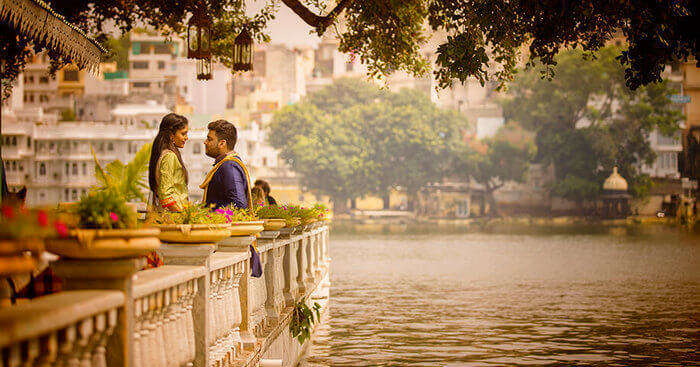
152, 280
54, 312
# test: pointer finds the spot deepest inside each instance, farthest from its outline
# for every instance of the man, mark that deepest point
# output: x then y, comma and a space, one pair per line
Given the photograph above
266, 189
228, 181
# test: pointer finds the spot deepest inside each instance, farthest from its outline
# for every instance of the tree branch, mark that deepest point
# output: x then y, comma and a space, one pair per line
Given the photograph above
316, 21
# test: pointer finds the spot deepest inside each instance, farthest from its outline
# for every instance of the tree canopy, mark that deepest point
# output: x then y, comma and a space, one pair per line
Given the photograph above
586, 121
483, 38
352, 139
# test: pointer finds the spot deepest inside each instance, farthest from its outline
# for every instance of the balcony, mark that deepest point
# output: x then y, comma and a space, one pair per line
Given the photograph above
203, 308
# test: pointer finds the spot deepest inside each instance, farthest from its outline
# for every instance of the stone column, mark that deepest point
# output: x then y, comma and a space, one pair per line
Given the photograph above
114, 274
301, 264
290, 287
243, 289
273, 275
196, 255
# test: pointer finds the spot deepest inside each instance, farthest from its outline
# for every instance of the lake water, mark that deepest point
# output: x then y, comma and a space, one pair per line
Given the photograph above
511, 296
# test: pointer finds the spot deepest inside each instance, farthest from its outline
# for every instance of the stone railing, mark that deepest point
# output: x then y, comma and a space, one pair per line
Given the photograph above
203, 308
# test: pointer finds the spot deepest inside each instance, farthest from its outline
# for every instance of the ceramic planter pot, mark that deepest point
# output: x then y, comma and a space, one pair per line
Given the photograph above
105, 243
247, 228
274, 224
193, 233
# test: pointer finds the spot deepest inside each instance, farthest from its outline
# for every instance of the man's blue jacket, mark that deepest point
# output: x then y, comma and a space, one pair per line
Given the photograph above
227, 186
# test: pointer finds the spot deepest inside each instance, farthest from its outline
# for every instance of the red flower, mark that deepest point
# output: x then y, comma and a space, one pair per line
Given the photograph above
61, 229
8, 212
42, 218
114, 217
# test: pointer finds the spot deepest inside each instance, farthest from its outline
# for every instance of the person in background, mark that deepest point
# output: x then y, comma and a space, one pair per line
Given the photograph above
258, 197
228, 182
266, 188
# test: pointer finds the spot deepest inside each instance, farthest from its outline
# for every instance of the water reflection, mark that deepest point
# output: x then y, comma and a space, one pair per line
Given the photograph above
509, 296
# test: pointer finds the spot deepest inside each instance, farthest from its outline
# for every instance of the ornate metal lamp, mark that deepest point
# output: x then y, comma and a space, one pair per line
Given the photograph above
199, 30
243, 51
204, 69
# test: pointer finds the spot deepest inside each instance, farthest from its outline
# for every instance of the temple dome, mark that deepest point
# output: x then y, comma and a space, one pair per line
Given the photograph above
615, 182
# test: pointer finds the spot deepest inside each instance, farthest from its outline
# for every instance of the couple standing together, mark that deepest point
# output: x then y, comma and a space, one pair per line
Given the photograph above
228, 182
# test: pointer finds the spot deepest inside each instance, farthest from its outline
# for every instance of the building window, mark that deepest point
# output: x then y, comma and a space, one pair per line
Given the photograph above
349, 66
29, 142
21, 167
662, 139
161, 65
110, 147
70, 76
264, 161
161, 49
196, 148
142, 65
74, 194
43, 98
67, 169
42, 80
14, 141
84, 169
141, 84
65, 194
75, 169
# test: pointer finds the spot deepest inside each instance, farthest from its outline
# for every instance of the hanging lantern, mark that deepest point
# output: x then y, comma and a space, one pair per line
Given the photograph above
204, 69
199, 36
243, 51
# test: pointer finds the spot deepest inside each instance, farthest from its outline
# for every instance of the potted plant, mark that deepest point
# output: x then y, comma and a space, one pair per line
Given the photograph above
274, 217
194, 224
243, 222
103, 227
22, 235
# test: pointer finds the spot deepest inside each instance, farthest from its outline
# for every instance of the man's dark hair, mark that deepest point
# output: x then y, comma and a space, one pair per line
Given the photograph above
265, 186
224, 131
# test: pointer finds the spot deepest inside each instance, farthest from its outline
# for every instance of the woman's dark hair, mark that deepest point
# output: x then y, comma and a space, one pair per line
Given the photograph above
169, 125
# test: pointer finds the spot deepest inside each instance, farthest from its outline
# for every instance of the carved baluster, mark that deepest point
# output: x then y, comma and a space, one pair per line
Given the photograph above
182, 324
301, 267
14, 355
30, 352
160, 337
137, 333
100, 336
228, 311
146, 345
235, 302
48, 350
192, 291
100, 357
168, 334
290, 273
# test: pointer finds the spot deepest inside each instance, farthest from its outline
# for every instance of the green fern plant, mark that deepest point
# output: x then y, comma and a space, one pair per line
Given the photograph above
303, 320
126, 179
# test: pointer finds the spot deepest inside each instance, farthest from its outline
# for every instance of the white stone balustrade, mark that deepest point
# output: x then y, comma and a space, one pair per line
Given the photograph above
164, 331
70, 328
201, 309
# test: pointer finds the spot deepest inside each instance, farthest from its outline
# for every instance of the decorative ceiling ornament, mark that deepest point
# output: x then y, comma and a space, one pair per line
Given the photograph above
37, 20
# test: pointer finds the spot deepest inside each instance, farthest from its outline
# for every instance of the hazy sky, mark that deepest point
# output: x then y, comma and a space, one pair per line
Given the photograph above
287, 27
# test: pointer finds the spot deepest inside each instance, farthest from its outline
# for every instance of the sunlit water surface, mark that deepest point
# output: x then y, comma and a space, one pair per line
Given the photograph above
577, 296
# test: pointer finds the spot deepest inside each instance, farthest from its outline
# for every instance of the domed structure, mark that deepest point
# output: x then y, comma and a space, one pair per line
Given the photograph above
615, 197
615, 182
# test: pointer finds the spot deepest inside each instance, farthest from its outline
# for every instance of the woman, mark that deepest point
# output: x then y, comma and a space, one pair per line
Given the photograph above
167, 175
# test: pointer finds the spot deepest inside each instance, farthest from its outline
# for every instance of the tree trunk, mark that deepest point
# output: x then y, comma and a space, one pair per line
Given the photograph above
386, 200
340, 205
493, 209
